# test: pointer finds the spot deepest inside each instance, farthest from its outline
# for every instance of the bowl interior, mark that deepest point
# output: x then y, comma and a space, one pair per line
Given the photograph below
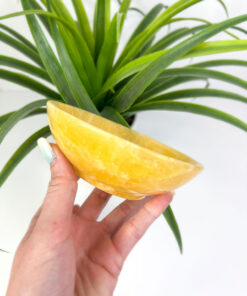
123, 132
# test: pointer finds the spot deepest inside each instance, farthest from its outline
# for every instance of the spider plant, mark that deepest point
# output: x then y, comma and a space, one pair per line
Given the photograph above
84, 70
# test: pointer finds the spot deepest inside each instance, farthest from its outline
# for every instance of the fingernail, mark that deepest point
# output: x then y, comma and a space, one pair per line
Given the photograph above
172, 192
46, 150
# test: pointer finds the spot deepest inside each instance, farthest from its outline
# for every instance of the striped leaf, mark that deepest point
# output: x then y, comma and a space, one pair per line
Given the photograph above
80, 44
21, 152
174, 77
108, 50
142, 80
6, 116
221, 62
112, 114
173, 37
188, 107
77, 89
171, 220
48, 57
62, 11
201, 20
42, 18
18, 115
28, 82
137, 65
101, 23
148, 18
215, 47
19, 37
23, 48
84, 24
197, 93
139, 41
123, 9
163, 83
222, 3
78, 60
25, 67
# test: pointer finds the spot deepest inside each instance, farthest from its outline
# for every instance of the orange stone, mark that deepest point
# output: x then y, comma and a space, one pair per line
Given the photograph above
114, 158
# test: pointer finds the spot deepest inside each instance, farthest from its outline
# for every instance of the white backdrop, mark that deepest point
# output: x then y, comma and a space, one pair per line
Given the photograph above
211, 209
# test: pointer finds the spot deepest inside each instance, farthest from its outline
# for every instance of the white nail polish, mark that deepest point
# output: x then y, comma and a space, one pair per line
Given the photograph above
46, 150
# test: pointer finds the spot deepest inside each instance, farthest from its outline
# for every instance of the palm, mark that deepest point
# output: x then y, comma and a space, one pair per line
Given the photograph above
97, 250
97, 262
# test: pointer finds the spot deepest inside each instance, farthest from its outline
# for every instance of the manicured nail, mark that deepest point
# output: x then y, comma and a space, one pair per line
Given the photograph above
46, 150
172, 192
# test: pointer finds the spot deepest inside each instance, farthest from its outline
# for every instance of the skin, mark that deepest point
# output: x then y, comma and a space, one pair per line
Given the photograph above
66, 251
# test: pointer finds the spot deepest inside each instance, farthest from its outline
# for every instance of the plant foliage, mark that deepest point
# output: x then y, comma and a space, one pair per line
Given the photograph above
84, 69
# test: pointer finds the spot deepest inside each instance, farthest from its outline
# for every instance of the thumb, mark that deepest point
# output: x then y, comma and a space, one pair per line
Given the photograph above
61, 193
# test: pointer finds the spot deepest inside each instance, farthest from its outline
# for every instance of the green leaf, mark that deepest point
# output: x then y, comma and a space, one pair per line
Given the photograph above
171, 220
128, 70
137, 10
215, 47
224, 7
18, 115
148, 44
42, 18
78, 42
141, 63
188, 107
142, 80
143, 25
6, 116
112, 114
239, 29
48, 57
21, 152
63, 12
47, 14
173, 37
30, 83
108, 50
78, 60
24, 49
77, 47
148, 18
222, 62
170, 77
195, 93
139, 41
124, 8
163, 83
79, 92
23, 66
101, 23
83, 24
19, 37
183, 19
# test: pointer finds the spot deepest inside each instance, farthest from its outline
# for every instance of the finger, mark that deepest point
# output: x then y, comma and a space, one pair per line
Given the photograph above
32, 225
121, 213
61, 193
134, 228
94, 204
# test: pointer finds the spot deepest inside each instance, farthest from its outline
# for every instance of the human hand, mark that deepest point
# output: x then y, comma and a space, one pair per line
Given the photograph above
66, 251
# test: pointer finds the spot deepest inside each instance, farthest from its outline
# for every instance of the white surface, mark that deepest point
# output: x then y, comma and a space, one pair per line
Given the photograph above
211, 209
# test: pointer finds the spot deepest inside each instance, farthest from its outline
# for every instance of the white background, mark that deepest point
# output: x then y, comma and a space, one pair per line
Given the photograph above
211, 209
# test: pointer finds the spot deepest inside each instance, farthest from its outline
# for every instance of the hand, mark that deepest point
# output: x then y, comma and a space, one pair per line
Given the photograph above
66, 251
